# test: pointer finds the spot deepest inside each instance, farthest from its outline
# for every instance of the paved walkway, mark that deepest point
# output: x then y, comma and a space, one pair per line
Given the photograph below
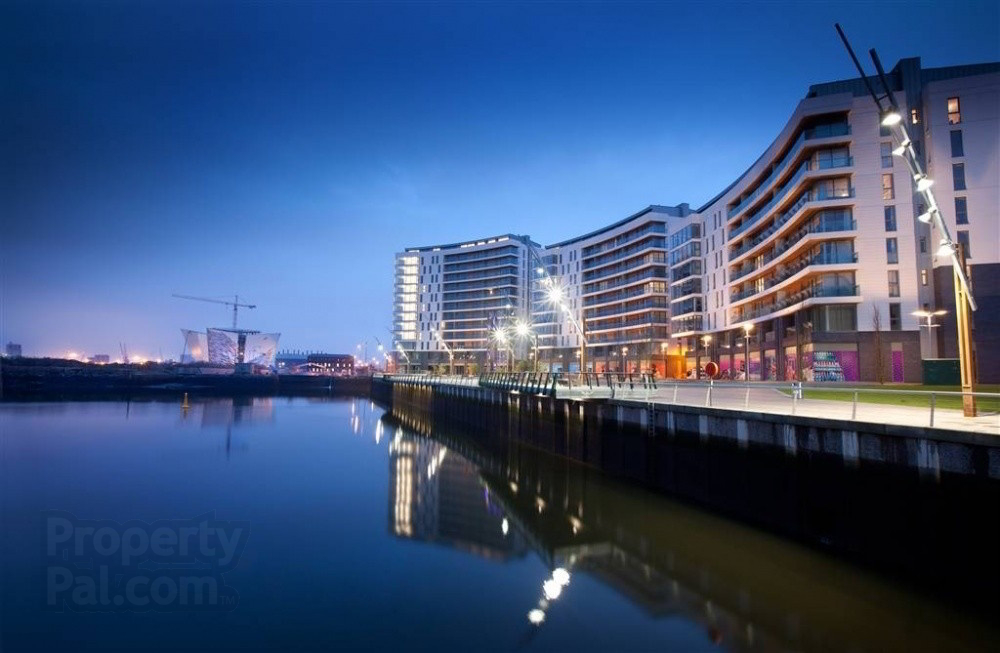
769, 399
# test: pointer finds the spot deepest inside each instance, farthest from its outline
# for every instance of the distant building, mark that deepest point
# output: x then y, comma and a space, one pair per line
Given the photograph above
13, 350
332, 363
230, 347
288, 360
99, 358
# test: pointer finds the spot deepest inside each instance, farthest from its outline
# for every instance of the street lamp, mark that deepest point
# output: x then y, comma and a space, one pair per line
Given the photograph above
964, 301
747, 328
705, 340
929, 316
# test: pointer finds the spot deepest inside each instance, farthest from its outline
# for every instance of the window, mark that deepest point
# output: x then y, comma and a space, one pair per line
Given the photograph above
956, 143
895, 317
954, 113
958, 175
923, 245
894, 283
915, 116
888, 191
887, 155
923, 277
963, 240
891, 250
890, 218
961, 211
883, 131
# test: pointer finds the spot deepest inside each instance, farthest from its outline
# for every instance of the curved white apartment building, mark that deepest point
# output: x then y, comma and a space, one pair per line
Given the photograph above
809, 266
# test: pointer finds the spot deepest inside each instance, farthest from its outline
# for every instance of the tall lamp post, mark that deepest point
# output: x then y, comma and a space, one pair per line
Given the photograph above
747, 328
705, 340
891, 118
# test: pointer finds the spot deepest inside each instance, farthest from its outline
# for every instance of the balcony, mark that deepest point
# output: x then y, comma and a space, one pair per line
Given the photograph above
796, 298
823, 226
808, 196
615, 243
648, 243
597, 300
652, 302
611, 325
652, 273
780, 194
820, 131
649, 259
793, 268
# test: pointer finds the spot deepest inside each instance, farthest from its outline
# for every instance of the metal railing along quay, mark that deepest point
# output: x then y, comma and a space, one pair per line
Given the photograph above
923, 408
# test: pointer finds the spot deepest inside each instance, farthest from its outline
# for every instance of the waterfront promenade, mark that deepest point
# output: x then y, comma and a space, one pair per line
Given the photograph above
761, 397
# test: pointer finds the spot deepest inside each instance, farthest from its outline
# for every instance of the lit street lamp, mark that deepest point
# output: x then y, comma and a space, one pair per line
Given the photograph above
964, 301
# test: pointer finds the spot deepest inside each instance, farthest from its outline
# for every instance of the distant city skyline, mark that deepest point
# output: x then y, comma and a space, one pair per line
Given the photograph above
285, 152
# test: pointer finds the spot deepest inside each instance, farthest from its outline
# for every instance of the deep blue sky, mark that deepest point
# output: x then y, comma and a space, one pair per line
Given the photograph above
286, 150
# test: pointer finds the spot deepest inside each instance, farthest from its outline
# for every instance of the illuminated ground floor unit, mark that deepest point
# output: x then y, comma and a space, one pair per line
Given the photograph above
820, 262
230, 347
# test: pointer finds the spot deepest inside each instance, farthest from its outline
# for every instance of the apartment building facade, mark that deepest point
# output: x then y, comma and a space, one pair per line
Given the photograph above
809, 266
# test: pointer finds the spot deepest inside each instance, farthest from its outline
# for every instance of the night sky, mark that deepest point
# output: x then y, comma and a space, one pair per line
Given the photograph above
286, 150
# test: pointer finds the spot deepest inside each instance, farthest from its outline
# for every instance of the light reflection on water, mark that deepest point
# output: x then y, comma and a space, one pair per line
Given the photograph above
368, 532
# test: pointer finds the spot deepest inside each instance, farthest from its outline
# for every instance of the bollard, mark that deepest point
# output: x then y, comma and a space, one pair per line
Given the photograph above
933, 401
708, 396
854, 406
746, 400
795, 398
675, 393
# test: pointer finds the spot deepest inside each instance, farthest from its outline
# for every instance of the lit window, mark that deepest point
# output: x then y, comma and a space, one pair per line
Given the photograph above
886, 155
958, 175
891, 250
954, 113
923, 277
888, 191
894, 283
890, 218
961, 211
915, 116
956, 143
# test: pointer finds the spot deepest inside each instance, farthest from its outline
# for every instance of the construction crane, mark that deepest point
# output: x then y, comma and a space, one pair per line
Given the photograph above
235, 303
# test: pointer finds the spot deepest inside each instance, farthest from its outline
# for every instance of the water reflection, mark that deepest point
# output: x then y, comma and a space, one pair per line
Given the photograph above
227, 414
746, 589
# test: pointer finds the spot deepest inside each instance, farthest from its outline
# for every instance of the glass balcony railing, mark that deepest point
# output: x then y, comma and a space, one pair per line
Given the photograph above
782, 245
687, 324
808, 196
650, 259
793, 268
650, 318
594, 300
780, 194
646, 244
796, 298
652, 228
820, 131
652, 273
656, 302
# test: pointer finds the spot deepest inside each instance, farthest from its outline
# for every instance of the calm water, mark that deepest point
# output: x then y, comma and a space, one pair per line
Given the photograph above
365, 535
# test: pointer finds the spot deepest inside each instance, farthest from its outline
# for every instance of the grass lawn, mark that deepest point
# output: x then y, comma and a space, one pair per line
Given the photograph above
893, 395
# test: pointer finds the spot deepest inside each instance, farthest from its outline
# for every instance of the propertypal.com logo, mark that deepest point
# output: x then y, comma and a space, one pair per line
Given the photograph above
169, 565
